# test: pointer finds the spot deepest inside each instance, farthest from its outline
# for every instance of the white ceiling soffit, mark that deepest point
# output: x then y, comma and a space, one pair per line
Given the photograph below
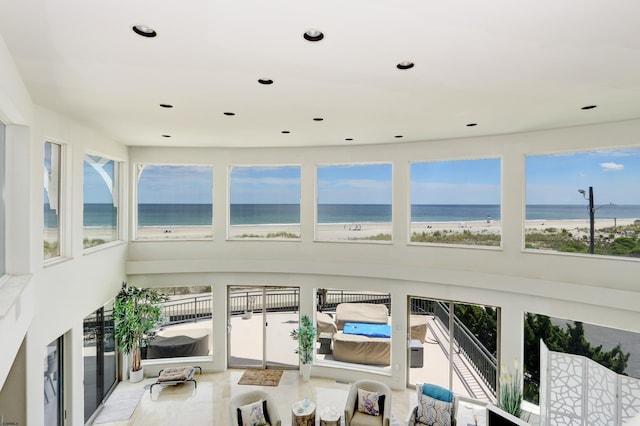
506, 66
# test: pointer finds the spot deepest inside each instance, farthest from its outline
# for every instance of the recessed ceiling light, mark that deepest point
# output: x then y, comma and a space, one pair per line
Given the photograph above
399, 136
166, 136
589, 107
405, 65
286, 132
313, 35
229, 113
166, 105
265, 81
472, 124
144, 31
318, 119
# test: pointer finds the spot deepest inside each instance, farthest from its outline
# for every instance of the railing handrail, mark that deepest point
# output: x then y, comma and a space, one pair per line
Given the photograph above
485, 364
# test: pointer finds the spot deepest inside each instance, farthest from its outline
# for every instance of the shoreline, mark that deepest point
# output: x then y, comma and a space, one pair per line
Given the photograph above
353, 231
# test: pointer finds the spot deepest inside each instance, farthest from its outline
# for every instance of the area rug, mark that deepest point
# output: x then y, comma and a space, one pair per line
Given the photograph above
119, 406
261, 377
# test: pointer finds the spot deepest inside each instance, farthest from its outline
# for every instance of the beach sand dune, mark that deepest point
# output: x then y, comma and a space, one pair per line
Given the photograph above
360, 231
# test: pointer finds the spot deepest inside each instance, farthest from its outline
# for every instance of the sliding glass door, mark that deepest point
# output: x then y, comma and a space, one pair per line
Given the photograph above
457, 352
53, 408
99, 353
260, 320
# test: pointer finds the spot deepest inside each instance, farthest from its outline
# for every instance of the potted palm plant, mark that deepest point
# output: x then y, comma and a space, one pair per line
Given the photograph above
306, 337
136, 316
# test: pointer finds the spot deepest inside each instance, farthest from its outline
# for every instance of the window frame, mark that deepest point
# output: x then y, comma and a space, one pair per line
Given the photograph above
137, 169
318, 166
410, 229
119, 178
64, 243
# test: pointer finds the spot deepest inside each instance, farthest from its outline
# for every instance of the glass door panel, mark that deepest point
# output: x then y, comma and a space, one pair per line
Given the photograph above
246, 327
282, 317
260, 321
458, 351
53, 383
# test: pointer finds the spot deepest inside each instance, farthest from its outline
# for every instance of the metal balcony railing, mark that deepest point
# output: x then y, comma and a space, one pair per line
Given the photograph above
468, 345
194, 308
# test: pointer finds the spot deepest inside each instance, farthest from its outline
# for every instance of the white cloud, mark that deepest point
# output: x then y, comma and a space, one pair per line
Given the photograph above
611, 167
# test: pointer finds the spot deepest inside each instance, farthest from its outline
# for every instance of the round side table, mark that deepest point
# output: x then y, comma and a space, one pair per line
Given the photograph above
303, 416
330, 416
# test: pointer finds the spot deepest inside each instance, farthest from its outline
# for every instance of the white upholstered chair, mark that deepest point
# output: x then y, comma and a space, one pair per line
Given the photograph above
436, 406
353, 417
251, 397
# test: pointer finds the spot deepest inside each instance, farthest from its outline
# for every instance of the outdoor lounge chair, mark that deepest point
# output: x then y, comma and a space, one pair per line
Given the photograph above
176, 376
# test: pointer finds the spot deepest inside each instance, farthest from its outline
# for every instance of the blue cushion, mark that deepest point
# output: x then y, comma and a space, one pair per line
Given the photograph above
365, 329
437, 392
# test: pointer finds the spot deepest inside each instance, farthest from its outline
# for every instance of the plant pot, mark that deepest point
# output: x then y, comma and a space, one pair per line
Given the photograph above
136, 376
306, 372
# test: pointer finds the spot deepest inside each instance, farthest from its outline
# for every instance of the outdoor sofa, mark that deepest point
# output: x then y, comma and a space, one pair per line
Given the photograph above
372, 346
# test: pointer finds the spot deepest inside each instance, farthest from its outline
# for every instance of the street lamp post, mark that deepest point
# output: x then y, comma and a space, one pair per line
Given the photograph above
592, 212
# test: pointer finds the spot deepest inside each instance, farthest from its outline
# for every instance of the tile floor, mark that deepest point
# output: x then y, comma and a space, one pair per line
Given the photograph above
208, 404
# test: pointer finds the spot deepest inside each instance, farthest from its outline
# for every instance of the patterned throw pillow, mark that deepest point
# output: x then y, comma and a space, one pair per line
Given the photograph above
368, 402
254, 414
433, 412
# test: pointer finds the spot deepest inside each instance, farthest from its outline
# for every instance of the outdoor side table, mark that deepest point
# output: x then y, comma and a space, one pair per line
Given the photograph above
303, 416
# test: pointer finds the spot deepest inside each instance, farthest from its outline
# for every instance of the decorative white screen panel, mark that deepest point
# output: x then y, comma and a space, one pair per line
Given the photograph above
575, 390
629, 399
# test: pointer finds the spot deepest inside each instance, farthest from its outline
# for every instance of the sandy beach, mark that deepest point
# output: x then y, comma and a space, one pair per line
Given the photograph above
359, 231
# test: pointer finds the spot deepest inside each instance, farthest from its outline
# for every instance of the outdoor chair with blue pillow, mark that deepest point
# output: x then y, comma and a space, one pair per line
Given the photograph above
436, 406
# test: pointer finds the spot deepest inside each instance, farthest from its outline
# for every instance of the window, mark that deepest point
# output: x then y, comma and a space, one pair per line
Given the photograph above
100, 209
467, 342
354, 327
99, 354
456, 202
354, 202
265, 202
613, 348
52, 181
175, 202
584, 202
186, 330
3, 180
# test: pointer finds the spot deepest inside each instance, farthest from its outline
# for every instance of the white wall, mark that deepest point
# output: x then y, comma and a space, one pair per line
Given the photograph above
598, 290
56, 297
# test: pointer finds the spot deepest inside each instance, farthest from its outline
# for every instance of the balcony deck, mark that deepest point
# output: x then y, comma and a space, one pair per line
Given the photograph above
246, 351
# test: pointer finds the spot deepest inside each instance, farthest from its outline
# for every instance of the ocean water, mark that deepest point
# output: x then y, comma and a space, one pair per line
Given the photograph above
96, 215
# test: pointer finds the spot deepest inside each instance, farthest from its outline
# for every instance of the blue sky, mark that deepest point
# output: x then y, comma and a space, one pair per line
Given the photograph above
550, 179
556, 179
176, 185
265, 185
456, 182
355, 184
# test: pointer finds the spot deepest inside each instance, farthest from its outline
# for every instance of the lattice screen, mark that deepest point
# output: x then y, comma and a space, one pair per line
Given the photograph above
576, 391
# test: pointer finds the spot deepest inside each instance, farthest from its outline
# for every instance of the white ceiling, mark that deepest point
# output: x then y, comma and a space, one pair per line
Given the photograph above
507, 65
